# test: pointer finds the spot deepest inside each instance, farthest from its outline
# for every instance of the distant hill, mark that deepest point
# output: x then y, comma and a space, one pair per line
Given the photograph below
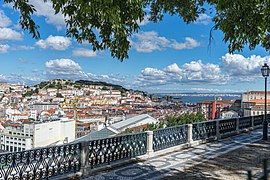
99, 83
61, 83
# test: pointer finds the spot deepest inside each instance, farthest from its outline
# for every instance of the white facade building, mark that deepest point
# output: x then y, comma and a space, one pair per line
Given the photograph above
253, 103
21, 137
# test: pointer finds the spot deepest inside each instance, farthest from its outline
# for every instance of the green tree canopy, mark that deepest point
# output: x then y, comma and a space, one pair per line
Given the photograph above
107, 24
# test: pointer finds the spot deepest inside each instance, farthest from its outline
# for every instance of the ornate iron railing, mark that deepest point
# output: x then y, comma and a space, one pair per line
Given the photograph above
168, 137
49, 162
105, 151
204, 130
40, 163
227, 126
258, 120
245, 122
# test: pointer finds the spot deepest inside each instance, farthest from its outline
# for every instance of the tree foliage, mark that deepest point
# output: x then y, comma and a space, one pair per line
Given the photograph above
185, 119
108, 24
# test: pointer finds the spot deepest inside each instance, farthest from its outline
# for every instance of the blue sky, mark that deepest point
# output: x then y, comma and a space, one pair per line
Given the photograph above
169, 56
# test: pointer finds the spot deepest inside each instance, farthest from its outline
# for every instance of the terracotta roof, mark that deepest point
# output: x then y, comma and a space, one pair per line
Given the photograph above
14, 125
258, 100
257, 92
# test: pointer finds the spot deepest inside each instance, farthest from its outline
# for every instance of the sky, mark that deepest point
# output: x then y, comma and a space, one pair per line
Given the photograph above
165, 57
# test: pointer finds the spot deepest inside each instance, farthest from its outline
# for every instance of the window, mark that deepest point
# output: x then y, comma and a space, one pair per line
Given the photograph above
7, 137
7, 148
7, 141
19, 149
11, 148
19, 143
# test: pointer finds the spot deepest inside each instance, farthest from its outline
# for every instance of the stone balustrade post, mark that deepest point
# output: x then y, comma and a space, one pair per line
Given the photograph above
252, 123
85, 168
150, 142
217, 129
237, 126
189, 135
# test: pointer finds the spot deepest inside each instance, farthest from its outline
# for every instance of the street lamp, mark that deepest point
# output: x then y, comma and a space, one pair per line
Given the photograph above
265, 73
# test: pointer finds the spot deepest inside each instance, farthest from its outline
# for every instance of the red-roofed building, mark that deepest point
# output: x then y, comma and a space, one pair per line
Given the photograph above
213, 108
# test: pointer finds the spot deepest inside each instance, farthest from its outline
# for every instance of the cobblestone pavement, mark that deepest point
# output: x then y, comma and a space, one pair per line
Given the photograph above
225, 159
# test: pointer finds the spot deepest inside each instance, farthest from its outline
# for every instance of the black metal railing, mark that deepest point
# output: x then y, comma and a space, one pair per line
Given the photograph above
245, 122
227, 126
105, 151
168, 137
258, 120
40, 163
204, 130
44, 163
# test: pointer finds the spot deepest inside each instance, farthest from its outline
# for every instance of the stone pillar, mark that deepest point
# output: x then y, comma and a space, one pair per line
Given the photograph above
150, 142
217, 130
252, 123
85, 168
237, 126
189, 135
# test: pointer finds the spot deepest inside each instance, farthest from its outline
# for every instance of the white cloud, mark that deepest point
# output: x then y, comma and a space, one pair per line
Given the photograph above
4, 48
147, 42
173, 68
194, 72
68, 69
4, 20
59, 43
242, 68
144, 21
203, 19
9, 34
63, 64
45, 9
17, 78
188, 44
81, 52
63, 69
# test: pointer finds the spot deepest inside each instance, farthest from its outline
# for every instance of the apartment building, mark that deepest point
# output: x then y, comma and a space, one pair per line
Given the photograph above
253, 103
213, 108
43, 106
19, 137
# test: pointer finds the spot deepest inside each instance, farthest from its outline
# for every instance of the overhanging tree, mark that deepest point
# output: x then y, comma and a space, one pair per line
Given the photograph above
107, 24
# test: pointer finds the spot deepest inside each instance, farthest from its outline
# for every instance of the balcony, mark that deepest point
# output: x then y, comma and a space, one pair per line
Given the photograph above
158, 154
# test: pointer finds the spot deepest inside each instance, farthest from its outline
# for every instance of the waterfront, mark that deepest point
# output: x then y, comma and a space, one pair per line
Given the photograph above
196, 99
193, 98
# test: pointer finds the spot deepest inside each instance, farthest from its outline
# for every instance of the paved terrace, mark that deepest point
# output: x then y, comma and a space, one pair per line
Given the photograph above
220, 149
226, 159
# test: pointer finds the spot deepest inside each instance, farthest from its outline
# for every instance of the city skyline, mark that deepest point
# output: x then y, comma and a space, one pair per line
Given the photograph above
168, 56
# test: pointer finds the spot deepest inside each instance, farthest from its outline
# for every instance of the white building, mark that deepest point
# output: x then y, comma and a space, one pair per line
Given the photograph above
229, 114
253, 103
43, 106
19, 137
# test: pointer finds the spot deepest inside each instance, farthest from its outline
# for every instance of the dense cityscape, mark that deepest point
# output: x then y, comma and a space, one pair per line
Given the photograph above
134, 90
63, 111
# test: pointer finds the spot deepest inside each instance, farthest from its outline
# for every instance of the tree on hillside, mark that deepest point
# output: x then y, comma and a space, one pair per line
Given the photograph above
185, 119
242, 22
